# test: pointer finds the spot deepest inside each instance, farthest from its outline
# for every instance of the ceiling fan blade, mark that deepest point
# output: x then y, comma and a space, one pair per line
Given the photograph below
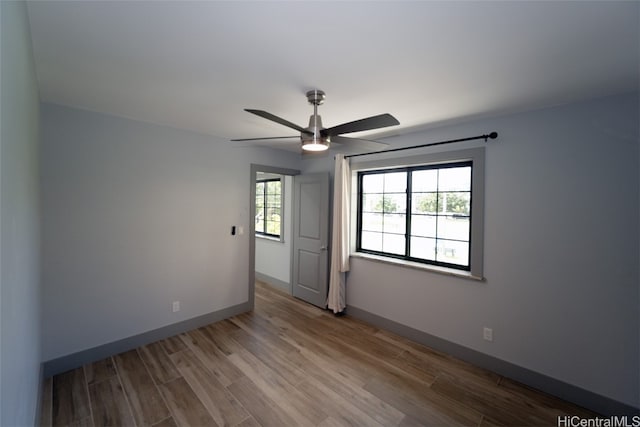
277, 119
358, 143
374, 122
265, 138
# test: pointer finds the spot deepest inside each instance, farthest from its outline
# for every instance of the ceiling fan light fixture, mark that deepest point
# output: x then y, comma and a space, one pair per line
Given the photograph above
314, 140
321, 144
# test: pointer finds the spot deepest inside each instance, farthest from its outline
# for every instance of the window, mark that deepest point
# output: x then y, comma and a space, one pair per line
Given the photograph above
269, 207
425, 213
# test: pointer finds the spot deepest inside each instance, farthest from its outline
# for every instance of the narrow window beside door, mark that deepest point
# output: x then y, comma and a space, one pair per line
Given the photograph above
269, 207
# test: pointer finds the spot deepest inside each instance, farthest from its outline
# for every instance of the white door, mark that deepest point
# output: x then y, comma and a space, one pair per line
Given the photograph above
311, 238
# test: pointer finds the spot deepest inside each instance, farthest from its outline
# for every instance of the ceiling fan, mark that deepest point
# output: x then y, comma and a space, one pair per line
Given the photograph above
317, 138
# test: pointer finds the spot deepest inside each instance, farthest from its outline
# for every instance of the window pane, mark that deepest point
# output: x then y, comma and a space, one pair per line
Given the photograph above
424, 203
268, 207
395, 182
273, 187
371, 241
453, 227
273, 199
455, 202
452, 179
273, 227
395, 203
423, 225
453, 252
373, 183
394, 223
372, 203
372, 222
393, 243
273, 214
424, 180
423, 248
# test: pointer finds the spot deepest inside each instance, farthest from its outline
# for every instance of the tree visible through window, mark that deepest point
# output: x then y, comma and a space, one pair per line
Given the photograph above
420, 213
269, 207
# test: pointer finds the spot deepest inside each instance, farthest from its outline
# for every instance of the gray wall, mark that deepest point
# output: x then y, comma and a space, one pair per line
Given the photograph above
560, 251
20, 354
136, 216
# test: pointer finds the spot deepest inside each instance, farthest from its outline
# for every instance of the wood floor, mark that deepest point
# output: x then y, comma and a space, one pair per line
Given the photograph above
291, 364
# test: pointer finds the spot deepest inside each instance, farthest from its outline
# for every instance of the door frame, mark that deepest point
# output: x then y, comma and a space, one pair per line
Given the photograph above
255, 168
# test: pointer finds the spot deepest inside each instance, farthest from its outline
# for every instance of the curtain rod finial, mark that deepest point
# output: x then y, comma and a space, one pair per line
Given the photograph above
493, 135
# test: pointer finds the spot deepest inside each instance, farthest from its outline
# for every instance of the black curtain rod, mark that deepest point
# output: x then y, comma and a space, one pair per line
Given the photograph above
492, 135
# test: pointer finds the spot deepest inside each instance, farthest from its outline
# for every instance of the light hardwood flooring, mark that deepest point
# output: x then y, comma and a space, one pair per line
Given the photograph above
291, 364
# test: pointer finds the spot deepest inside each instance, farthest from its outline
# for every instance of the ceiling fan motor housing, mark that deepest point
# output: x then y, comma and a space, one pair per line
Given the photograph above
315, 135
316, 97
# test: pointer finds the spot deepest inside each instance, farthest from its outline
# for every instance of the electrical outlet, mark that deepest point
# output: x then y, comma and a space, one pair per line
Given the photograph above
487, 334
176, 306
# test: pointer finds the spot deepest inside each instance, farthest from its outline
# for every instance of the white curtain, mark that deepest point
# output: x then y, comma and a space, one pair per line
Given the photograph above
336, 300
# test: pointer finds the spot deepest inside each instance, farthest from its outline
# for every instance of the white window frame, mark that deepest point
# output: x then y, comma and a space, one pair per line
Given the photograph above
475, 155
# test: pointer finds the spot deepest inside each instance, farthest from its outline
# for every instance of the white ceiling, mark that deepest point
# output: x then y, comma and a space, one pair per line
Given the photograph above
196, 65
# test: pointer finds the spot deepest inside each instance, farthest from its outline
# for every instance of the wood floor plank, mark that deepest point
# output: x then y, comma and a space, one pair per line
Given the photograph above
173, 344
377, 353
497, 404
276, 361
219, 402
332, 422
83, 422
249, 422
266, 412
554, 406
47, 403
304, 411
212, 358
324, 371
167, 422
342, 410
369, 363
315, 346
70, 398
158, 363
279, 297
147, 404
256, 326
99, 371
109, 404
187, 410
220, 339
423, 405
436, 361
415, 367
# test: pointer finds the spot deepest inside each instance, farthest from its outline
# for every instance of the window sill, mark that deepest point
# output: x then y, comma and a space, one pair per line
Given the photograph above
418, 266
273, 239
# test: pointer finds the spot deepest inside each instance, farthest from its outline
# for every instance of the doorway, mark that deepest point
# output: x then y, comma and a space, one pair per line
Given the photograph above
274, 223
266, 243
307, 255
